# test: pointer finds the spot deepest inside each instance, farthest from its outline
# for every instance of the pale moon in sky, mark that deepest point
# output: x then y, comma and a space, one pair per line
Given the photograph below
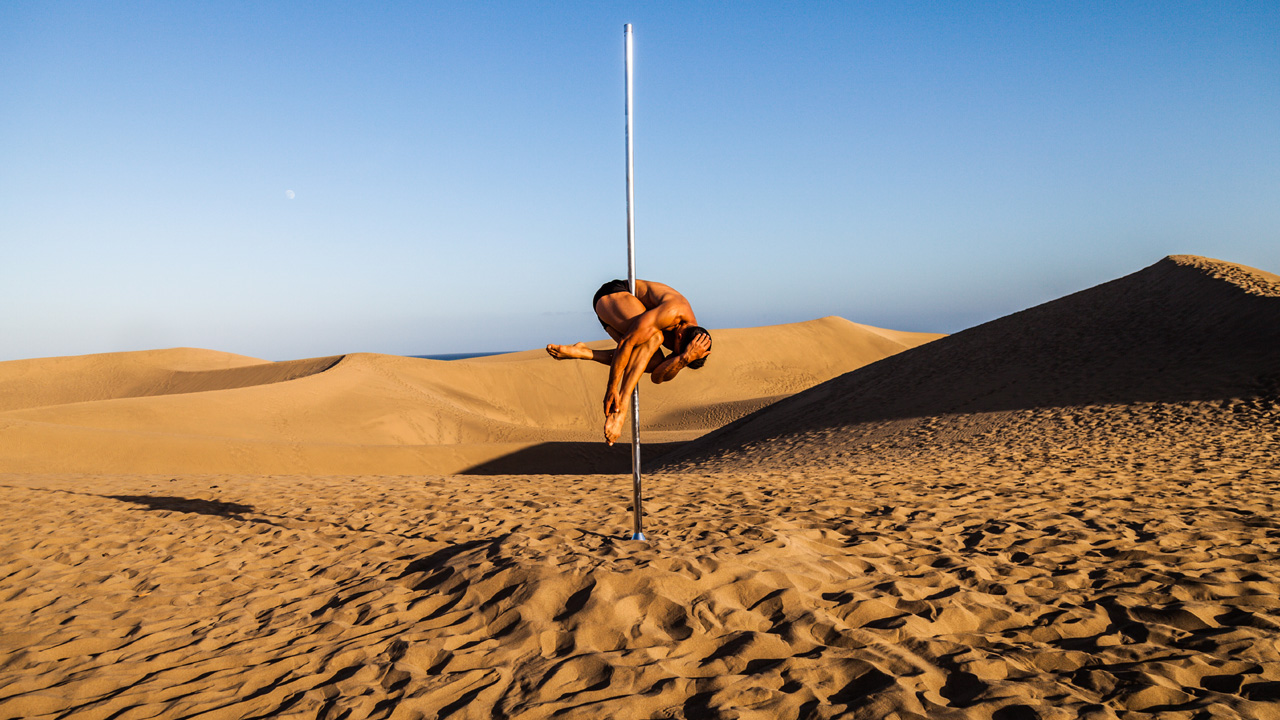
288, 194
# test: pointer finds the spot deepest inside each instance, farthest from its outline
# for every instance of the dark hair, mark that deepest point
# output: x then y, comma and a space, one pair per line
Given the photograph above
691, 332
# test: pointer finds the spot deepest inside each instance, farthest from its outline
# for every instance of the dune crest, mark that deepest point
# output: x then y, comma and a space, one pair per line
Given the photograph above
105, 376
1251, 280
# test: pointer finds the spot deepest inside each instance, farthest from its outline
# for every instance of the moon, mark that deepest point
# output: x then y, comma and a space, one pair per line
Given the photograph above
289, 194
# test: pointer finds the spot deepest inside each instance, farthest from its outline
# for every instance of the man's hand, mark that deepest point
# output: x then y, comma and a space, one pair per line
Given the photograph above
697, 349
612, 403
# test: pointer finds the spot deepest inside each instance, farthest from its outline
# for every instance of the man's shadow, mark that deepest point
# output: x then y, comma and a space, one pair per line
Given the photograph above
188, 505
219, 508
199, 506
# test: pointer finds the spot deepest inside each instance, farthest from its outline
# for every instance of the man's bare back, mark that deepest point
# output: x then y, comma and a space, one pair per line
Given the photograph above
620, 311
656, 315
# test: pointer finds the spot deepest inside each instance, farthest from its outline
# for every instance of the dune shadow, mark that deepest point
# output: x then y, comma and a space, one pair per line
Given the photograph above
571, 458
1171, 333
186, 382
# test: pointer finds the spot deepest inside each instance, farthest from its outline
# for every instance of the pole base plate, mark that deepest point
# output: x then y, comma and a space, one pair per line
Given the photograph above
639, 536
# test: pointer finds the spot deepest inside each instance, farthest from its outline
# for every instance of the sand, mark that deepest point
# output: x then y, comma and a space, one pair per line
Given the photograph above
189, 410
944, 533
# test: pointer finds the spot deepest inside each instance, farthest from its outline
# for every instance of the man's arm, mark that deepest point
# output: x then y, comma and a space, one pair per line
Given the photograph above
668, 368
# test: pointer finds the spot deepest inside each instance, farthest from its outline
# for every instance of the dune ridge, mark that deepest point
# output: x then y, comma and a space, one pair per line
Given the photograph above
1185, 352
107, 376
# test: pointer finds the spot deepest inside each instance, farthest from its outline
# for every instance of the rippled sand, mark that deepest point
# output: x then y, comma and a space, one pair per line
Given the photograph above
949, 591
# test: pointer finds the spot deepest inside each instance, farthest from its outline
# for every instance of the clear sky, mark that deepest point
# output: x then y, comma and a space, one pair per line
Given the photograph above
289, 180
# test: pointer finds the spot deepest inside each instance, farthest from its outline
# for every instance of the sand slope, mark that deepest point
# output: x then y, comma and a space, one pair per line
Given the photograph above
1067, 513
1181, 356
200, 411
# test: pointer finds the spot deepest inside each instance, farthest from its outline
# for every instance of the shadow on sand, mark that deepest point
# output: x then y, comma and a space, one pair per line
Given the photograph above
571, 458
1170, 333
187, 505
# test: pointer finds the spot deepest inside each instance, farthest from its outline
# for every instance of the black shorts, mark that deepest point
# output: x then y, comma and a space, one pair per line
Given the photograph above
609, 288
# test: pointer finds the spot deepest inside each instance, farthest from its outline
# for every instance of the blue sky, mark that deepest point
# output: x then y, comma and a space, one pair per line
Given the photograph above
287, 180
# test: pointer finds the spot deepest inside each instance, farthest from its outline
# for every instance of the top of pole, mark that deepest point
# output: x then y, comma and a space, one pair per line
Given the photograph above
631, 251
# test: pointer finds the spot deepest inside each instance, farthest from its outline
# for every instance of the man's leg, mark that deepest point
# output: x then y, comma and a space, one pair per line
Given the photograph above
580, 351
618, 311
639, 359
614, 310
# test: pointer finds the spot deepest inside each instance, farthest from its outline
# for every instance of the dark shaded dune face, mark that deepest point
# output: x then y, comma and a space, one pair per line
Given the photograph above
1187, 345
116, 376
179, 383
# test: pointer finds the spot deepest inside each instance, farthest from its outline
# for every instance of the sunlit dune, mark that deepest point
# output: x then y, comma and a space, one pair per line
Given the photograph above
202, 411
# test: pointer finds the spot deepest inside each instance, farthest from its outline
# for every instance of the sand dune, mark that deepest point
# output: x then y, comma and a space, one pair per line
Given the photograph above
1066, 513
86, 378
1182, 355
200, 411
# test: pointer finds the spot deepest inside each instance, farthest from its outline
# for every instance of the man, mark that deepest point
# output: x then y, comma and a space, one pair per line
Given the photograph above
655, 316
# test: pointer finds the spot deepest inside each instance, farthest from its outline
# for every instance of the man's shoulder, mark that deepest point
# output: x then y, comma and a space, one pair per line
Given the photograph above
659, 291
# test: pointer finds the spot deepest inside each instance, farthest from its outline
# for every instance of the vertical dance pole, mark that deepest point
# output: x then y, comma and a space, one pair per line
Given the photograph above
637, 512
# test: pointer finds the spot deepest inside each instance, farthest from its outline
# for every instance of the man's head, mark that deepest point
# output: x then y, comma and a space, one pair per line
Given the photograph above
687, 336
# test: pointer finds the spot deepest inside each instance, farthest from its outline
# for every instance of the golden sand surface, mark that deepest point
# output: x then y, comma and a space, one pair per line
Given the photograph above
1070, 512
948, 591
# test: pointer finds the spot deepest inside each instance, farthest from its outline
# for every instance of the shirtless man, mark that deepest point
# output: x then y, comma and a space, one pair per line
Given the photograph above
643, 323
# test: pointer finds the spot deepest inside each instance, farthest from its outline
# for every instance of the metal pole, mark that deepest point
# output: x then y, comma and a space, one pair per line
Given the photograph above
637, 512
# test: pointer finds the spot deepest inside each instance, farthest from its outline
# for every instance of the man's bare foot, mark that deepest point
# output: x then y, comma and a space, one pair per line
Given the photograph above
576, 351
613, 427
